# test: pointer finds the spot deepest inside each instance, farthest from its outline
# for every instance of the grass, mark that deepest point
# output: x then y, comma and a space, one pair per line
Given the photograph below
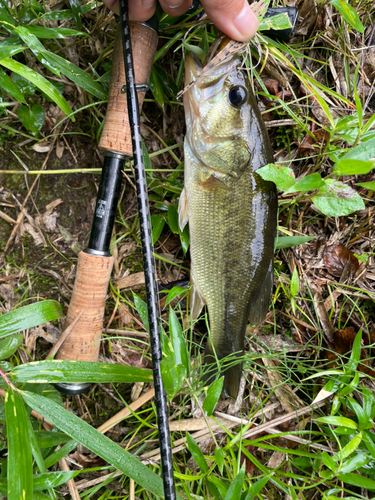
304, 428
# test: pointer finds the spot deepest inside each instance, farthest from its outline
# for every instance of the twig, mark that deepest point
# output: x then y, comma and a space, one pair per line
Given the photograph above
282, 419
64, 336
300, 322
125, 412
71, 484
279, 123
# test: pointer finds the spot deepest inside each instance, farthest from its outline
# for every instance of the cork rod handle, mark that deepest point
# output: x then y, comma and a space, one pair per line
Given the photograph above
116, 135
94, 271
88, 298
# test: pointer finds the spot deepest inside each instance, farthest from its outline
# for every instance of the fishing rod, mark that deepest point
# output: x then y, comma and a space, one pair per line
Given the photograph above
95, 263
121, 139
148, 259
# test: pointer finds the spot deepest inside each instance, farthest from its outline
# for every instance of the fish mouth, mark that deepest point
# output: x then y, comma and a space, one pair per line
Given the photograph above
193, 68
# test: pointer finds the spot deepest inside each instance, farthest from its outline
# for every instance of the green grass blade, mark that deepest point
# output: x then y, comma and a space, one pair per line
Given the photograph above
10, 50
96, 442
196, 453
7, 84
20, 465
51, 33
60, 453
39, 81
141, 307
292, 241
234, 490
340, 421
48, 439
46, 480
58, 64
10, 345
29, 316
357, 480
53, 479
178, 341
213, 395
349, 14
76, 9
77, 75
58, 371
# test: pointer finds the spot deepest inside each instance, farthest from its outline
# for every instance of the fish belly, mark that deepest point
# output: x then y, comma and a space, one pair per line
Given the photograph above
231, 245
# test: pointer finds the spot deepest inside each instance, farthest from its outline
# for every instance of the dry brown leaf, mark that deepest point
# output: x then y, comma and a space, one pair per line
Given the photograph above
131, 282
59, 149
36, 235
277, 458
336, 258
272, 85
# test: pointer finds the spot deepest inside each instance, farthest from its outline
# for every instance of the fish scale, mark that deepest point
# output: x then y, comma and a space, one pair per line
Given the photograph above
231, 211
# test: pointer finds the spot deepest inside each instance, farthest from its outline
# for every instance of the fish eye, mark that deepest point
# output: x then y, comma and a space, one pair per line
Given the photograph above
237, 96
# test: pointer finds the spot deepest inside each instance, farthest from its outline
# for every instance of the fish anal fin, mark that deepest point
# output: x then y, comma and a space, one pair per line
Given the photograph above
196, 300
183, 210
260, 307
213, 182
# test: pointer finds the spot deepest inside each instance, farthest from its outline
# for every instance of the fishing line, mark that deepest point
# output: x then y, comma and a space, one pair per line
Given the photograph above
148, 259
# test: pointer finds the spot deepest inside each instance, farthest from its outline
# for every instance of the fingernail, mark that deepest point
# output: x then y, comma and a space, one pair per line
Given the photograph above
246, 22
173, 4
148, 4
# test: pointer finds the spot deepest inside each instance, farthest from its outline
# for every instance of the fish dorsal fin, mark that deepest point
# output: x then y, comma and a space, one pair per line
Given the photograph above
196, 300
183, 210
213, 182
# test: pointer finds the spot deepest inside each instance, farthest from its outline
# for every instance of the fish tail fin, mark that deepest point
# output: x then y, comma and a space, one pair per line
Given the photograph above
259, 308
232, 374
232, 380
235, 342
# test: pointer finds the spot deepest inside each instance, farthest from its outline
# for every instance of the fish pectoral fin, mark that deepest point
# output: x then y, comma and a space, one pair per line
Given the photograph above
261, 305
183, 210
230, 157
196, 300
213, 182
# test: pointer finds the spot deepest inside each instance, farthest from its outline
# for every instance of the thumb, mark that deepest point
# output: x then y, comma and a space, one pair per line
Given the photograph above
232, 17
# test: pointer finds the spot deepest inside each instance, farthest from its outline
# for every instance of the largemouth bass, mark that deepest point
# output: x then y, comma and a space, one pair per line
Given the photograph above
232, 211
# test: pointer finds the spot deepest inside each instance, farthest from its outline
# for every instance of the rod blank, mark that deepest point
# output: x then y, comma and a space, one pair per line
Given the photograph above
148, 259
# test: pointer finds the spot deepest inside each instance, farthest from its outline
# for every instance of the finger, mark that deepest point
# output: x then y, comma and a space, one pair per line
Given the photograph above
138, 10
175, 8
232, 17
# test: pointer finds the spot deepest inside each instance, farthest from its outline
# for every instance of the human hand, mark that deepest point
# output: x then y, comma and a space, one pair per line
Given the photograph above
232, 17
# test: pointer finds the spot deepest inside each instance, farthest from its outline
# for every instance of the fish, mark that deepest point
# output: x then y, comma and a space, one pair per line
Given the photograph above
231, 210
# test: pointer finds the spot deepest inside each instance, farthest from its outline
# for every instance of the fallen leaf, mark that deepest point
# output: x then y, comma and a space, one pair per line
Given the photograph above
59, 149
42, 147
271, 85
277, 458
336, 257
